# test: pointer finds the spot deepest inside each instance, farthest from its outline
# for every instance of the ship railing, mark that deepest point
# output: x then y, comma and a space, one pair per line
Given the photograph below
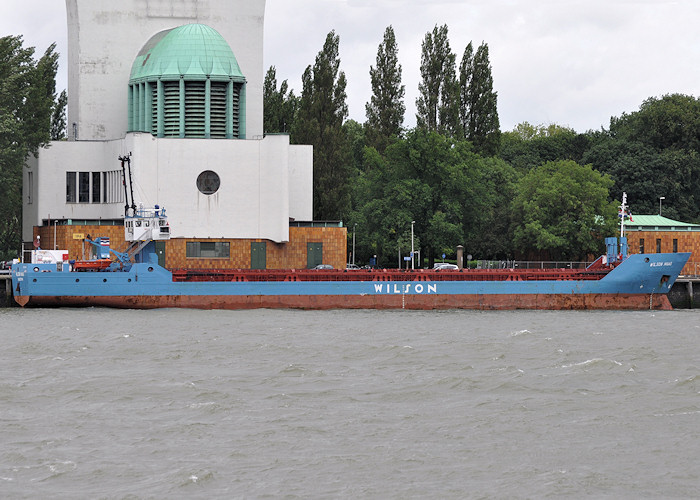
526, 264
691, 270
248, 275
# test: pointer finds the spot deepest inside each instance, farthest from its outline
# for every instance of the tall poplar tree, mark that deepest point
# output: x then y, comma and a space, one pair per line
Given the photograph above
478, 101
27, 95
466, 68
319, 122
58, 118
438, 102
385, 111
279, 106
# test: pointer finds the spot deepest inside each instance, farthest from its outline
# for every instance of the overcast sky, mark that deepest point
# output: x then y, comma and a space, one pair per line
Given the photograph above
570, 62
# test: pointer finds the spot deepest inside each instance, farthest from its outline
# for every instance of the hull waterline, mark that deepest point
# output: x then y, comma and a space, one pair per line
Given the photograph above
412, 302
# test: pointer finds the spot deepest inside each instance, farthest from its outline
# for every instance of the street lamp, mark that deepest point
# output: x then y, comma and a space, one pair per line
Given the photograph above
354, 227
412, 262
661, 198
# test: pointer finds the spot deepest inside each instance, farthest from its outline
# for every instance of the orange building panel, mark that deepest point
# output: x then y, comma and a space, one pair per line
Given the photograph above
667, 242
289, 255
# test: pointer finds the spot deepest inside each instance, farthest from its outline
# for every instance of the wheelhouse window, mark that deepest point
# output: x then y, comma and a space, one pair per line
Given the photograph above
208, 249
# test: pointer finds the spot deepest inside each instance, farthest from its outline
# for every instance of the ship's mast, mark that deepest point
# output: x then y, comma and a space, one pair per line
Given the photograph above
623, 211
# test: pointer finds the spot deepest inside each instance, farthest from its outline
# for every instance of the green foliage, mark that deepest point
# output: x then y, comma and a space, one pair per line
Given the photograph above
478, 101
487, 213
27, 93
454, 196
319, 122
58, 118
529, 146
646, 174
357, 142
385, 111
438, 102
562, 210
526, 131
672, 122
279, 106
654, 152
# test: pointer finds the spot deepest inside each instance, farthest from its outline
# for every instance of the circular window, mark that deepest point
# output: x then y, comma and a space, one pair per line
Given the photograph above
208, 182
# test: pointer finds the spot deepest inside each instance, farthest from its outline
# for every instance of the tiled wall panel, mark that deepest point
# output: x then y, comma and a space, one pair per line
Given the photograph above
291, 255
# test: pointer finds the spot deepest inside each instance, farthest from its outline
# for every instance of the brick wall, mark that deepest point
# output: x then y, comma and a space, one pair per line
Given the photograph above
291, 255
77, 249
686, 241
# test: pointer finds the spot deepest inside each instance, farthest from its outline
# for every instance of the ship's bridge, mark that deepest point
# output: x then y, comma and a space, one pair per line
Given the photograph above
147, 224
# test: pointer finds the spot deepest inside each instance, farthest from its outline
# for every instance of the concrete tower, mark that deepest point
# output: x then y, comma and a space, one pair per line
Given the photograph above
106, 36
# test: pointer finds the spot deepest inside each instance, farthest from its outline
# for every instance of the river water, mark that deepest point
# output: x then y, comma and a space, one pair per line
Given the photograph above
101, 403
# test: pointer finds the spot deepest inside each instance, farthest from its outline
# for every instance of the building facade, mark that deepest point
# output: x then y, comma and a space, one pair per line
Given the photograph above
176, 86
657, 234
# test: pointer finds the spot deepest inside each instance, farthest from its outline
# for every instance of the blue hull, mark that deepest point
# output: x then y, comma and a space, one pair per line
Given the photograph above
640, 282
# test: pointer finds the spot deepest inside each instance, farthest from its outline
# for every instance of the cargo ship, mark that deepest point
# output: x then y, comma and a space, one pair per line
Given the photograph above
134, 279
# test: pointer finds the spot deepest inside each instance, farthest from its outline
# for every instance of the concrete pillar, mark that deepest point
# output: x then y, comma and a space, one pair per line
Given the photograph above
460, 256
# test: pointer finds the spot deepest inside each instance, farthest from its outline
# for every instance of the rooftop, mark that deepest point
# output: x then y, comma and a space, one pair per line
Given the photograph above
193, 50
658, 223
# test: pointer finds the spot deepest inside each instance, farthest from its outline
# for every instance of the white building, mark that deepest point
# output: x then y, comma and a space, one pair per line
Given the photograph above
178, 84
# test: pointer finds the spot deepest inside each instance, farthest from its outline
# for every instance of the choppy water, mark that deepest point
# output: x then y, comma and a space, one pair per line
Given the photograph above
100, 403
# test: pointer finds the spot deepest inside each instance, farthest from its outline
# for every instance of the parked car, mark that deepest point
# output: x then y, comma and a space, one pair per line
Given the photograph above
323, 266
352, 266
444, 266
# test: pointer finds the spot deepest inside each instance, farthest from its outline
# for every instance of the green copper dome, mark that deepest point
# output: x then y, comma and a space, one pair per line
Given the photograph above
190, 51
186, 82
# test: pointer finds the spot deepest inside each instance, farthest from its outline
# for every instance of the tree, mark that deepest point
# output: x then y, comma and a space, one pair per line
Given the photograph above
279, 107
645, 174
27, 94
673, 121
438, 102
428, 178
478, 101
562, 211
529, 146
655, 152
319, 122
466, 68
58, 118
488, 218
385, 111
